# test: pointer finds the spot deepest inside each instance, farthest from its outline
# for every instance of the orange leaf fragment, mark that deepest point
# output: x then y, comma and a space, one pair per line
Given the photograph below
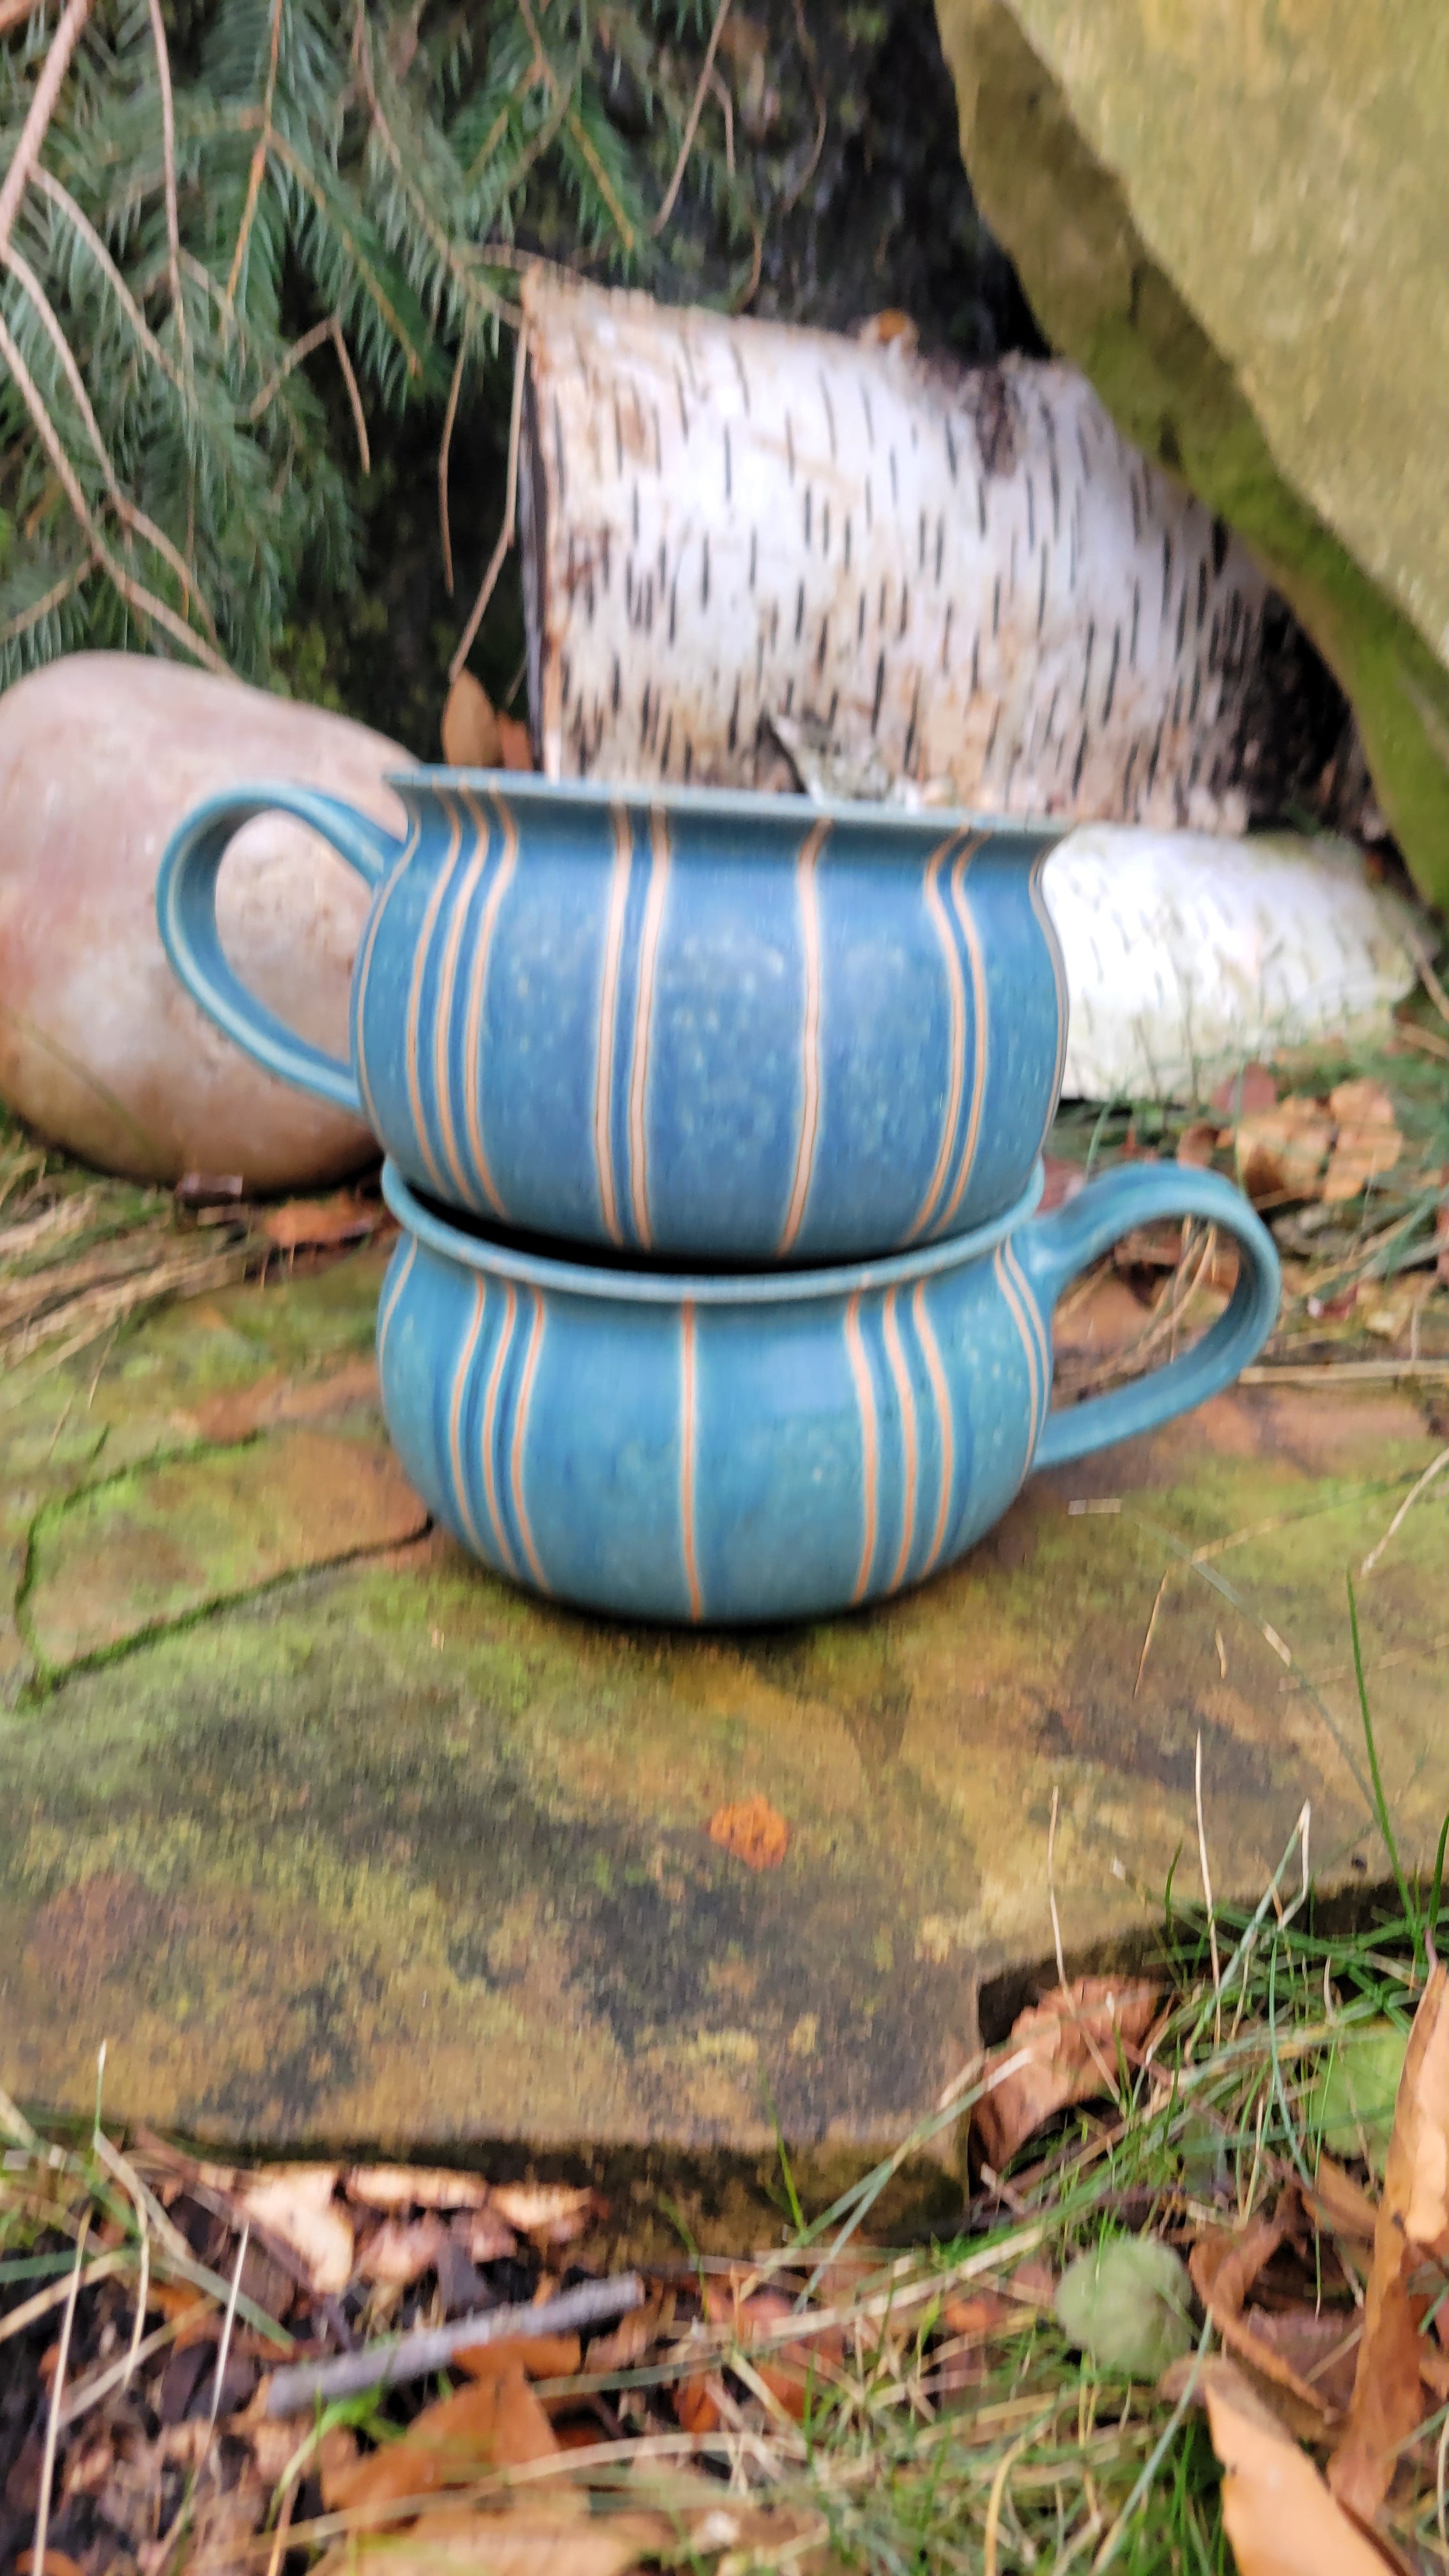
1245, 1094
470, 727
1368, 1140
1281, 1151
553, 2213
515, 749
300, 1223
294, 2205
1413, 2222
495, 2423
1224, 2263
537, 2356
398, 2254
1069, 2041
752, 1831
57, 2563
1279, 2515
1196, 1144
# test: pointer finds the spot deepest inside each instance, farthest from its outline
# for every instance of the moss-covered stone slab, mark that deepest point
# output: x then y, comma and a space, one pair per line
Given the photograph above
384, 1850
1235, 216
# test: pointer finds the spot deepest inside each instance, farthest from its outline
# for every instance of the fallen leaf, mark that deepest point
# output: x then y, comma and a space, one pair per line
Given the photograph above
788, 2369
56, 2563
1197, 1143
515, 747
752, 1831
1279, 2515
554, 2213
537, 2356
1245, 1094
1352, 2102
293, 2204
529, 2538
1126, 2305
301, 1223
984, 2313
1069, 2041
697, 2402
628, 2341
397, 2254
485, 2235
470, 727
1368, 1140
1224, 2264
1413, 2221
1281, 1151
1338, 2205
1320, 2345
494, 2423
414, 2187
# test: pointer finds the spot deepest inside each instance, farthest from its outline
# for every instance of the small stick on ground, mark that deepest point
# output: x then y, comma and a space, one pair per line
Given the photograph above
383, 2365
1435, 1468
52, 2423
1207, 1889
1052, 1891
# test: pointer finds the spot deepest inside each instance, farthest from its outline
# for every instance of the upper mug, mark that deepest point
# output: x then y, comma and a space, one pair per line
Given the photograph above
744, 1028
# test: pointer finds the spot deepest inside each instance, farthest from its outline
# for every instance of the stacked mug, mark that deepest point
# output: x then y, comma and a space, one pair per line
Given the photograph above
713, 1127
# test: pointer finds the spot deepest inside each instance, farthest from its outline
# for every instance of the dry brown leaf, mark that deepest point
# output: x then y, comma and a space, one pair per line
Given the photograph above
57, 2563
1245, 1094
752, 1831
1368, 1140
1338, 2206
1413, 2221
538, 2356
534, 2537
1198, 1142
1278, 2513
983, 2314
1320, 2344
1281, 1151
788, 2370
397, 2254
470, 727
484, 2235
294, 2205
630, 2339
494, 2423
1224, 2263
300, 1223
515, 748
1070, 2039
697, 2402
553, 2213
399, 2187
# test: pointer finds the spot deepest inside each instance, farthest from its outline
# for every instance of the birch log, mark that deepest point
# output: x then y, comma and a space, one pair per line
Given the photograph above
959, 585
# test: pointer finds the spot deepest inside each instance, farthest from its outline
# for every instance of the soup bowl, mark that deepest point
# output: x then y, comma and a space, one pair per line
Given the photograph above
708, 1025
765, 1446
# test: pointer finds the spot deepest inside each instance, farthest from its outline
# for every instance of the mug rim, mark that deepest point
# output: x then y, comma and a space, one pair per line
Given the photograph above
709, 1288
737, 804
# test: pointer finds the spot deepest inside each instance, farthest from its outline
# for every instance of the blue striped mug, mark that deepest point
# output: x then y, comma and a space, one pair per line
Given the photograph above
766, 1445
692, 1023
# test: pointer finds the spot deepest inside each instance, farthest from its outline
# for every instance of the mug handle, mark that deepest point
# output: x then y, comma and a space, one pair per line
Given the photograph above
186, 919
1053, 1249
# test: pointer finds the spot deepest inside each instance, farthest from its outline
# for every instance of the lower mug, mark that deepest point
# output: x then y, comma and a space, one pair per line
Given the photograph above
766, 1445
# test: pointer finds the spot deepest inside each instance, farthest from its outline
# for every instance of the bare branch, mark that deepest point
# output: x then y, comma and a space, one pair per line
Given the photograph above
168, 147
692, 126
354, 395
42, 108
444, 450
299, 350
258, 170
505, 533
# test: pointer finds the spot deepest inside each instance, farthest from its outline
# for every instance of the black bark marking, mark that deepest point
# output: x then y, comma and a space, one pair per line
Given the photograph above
1154, 756
1087, 665
946, 639
824, 639
789, 697
976, 663
1177, 704
636, 513
604, 560
1220, 546
825, 527
996, 418
807, 518
879, 691
644, 719
1051, 717
1136, 615
996, 607
673, 605
950, 450
911, 727
688, 762
921, 542
1080, 762
1030, 517
683, 413
981, 504
881, 612
668, 738
869, 515
869, 422
732, 734
905, 608
1192, 703
1111, 689
1166, 570
829, 413
729, 467
1042, 588
940, 547
1182, 615
799, 612
1215, 633
831, 713
790, 444
991, 737
759, 663
566, 670
618, 440
614, 690
629, 589
1202, 593
658, 441
1136, 509
663, 567
847, 541
860, 621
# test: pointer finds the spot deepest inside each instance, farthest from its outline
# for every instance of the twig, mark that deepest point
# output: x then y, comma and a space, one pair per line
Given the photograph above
223, 2349
692, 122
1052, 1890
1207, 1889
354, 393
1151, 1631
385, 2365
168, 149
445, 447
807, 48
42, 108
258, 170
299, 350
505, 533
1435, 1468
52, 2424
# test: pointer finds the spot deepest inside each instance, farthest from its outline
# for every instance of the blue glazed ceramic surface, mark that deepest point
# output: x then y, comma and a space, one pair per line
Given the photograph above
765, 1446
718, 1026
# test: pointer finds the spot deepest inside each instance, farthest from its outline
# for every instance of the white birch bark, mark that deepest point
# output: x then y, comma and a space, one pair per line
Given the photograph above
955, 585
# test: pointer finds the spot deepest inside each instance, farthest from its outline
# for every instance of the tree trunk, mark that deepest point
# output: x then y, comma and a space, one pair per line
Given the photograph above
956, 585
